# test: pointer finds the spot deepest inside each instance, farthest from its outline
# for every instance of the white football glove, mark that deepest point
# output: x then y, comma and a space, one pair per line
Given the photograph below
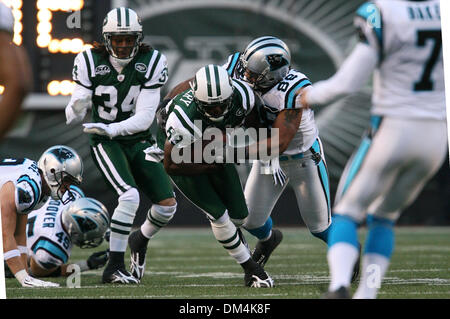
99, 128
31, 282
154, 154
273, 167
76, 112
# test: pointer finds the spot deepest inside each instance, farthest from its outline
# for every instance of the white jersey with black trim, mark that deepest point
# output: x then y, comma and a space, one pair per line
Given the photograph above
409, 79
282, 97
47, 241
24, 174
6, 19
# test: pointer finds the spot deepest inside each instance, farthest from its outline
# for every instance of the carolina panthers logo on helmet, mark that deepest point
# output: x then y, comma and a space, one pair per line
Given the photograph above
62, 154
276, 61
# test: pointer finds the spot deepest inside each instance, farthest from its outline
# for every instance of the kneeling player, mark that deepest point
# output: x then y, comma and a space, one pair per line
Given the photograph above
55, 228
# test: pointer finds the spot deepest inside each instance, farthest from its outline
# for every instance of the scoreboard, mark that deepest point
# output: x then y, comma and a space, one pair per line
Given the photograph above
53, 32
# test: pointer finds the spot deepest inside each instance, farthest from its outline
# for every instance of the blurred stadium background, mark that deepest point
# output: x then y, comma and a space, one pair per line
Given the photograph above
192, 33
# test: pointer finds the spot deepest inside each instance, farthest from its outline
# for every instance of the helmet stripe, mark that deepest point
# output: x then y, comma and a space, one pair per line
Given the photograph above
122, 11
265, 46
216, 75
263, 39
119, 17
127, 17
208, 81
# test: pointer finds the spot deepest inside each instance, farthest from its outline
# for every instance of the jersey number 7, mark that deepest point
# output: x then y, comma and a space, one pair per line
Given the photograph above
425, 83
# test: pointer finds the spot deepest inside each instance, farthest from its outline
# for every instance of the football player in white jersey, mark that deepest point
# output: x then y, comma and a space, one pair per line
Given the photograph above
24, 186
401, 44
15, 72
266, 65
53, 229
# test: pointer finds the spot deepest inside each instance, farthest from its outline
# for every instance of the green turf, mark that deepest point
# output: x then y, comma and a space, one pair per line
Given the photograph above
189, 263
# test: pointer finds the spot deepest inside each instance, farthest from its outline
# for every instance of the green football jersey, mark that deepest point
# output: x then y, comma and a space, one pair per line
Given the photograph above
114, 94
185, 123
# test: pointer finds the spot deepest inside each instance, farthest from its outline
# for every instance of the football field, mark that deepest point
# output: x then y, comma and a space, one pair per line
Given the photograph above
186, 263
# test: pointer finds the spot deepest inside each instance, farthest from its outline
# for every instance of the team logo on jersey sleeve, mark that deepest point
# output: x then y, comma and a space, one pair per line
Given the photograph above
102, 69
140, 67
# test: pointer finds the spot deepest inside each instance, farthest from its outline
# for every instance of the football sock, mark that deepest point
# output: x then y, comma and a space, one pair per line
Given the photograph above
264, 232
343, 251
226, 234
157, 217
323, 235
121, 223
377, 254
374, 266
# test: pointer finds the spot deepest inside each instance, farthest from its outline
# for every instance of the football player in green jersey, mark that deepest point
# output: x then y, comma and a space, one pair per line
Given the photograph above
121, 80
218, 102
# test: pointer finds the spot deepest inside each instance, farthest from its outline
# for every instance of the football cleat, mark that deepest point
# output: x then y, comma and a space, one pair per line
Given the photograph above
138, 250
264, 249
341, 293
258, 278
120, 276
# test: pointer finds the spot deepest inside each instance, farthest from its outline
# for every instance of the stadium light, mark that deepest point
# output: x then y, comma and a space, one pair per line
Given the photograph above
64, 87
44, 28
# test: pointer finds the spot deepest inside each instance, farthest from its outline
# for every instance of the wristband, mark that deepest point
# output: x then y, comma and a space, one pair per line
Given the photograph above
23, 249
11, 254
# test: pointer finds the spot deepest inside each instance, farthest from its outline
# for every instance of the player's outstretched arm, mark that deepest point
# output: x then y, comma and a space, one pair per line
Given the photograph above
350, 78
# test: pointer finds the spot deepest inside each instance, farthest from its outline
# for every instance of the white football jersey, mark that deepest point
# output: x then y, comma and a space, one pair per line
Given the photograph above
47, 241
409, 80
281, 97
6, 18
25, 175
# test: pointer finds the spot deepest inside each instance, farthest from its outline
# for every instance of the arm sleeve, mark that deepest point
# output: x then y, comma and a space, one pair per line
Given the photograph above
351, 76
146, 105
80, 101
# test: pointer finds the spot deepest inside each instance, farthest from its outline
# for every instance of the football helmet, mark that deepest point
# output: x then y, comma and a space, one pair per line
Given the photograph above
86, 220
122, 21
213, 92
265, 62
61, 166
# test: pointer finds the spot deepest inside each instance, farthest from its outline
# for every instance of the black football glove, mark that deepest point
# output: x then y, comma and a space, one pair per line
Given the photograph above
98, 259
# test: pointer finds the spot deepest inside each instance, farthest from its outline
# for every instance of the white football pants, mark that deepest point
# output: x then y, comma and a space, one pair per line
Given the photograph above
396, 164
309, 181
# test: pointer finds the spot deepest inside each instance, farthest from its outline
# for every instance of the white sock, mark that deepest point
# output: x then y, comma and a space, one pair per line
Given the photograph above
226, 234
341, 259
121, 223
158, 217
374, 267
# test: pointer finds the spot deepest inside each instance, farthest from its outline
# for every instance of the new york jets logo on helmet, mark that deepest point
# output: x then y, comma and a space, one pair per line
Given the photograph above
213, 92
122, 21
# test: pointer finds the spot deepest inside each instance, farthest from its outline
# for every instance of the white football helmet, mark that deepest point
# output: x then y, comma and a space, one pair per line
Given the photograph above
86, 221
265, 62
61, 165
122, 21
213, 92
